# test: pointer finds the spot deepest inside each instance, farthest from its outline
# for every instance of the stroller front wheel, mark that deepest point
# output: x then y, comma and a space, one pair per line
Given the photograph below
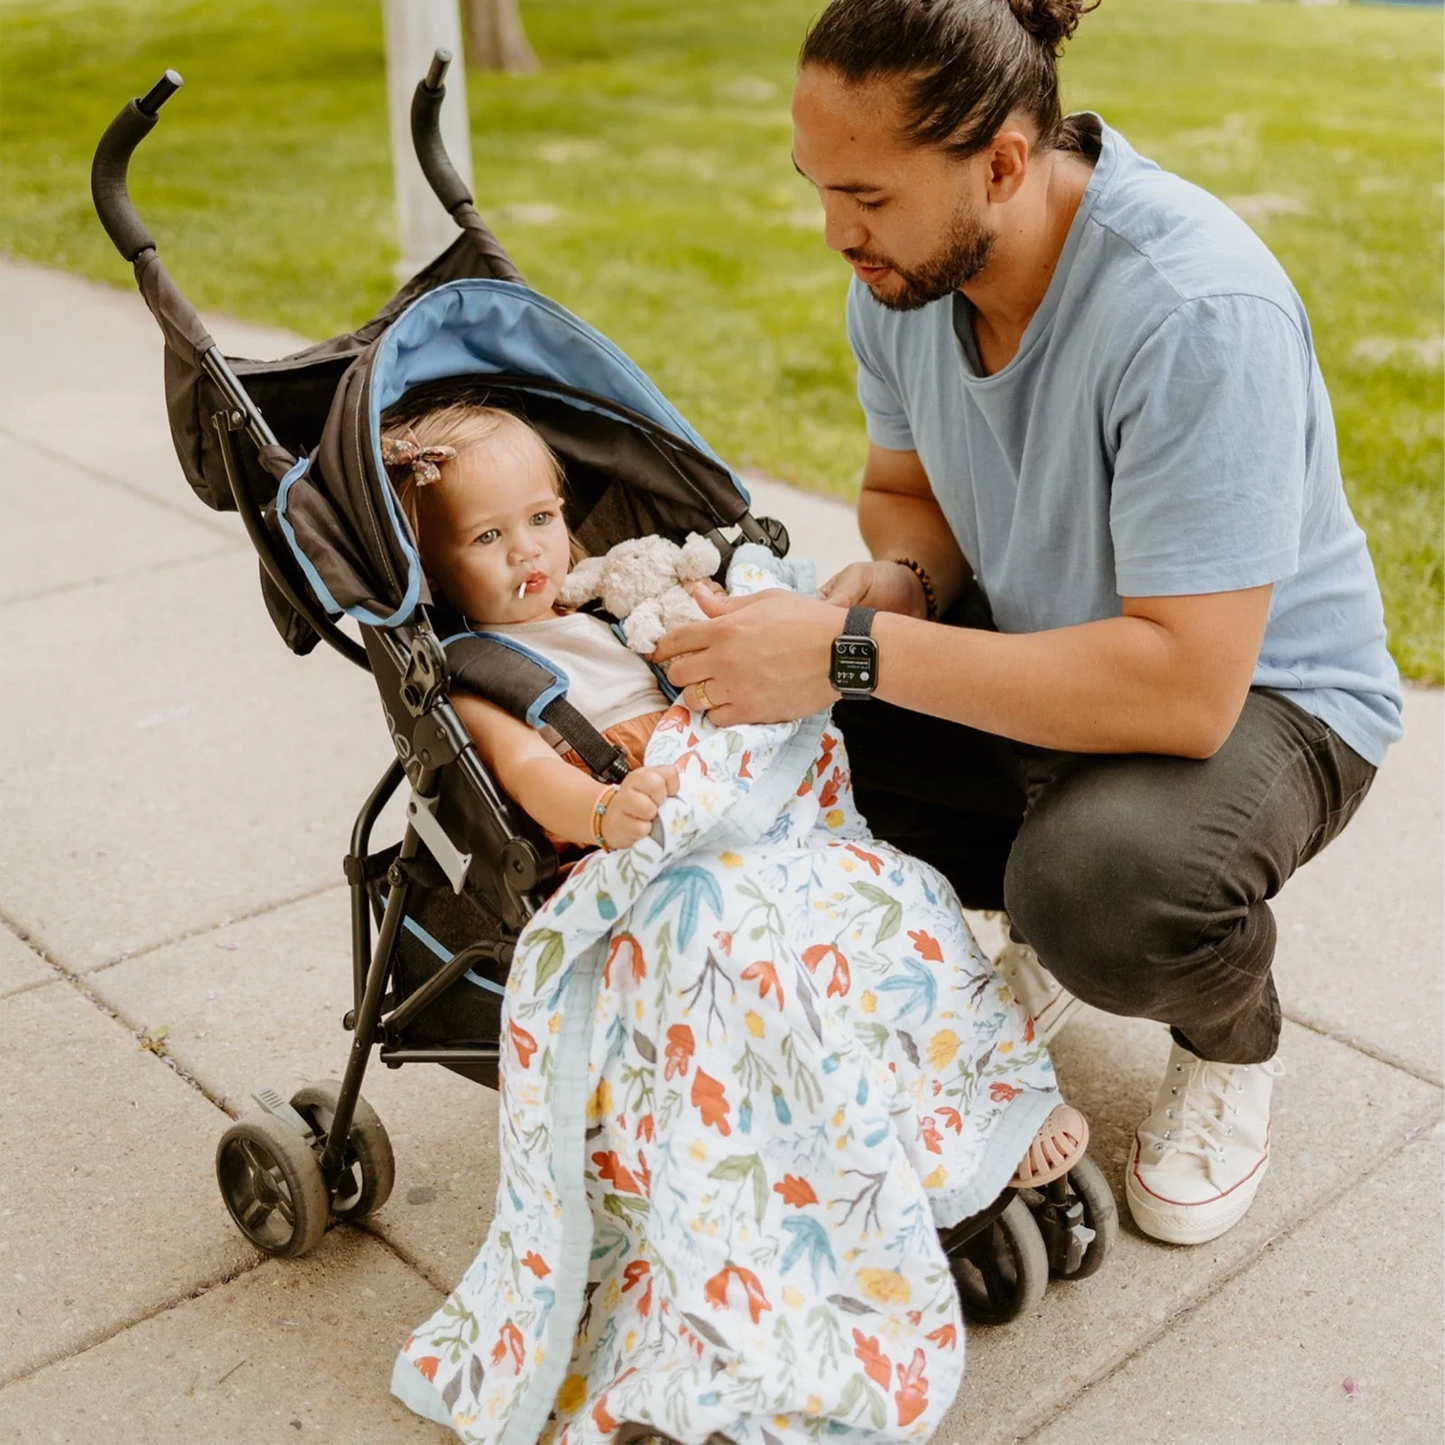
1003, 1270
271, 1182
370, 1166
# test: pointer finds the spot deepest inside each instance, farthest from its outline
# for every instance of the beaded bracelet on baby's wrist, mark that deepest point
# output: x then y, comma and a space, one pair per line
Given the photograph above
599, 812
930, 597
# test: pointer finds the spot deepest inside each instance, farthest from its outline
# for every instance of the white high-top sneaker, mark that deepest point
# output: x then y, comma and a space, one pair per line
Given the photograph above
1198, 1159
1049, 1003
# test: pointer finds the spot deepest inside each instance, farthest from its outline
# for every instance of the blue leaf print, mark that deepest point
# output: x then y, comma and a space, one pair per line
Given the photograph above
562, 905
920, 986
745, 1116
696, 885
810, 1236
878, 1134
606, 907
830, 1063
862, 1095
780, 1106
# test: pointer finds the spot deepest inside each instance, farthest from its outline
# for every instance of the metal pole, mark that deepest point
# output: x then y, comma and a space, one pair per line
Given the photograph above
414, 29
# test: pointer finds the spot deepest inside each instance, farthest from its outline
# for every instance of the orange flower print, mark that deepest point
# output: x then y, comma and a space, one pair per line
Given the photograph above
632, 956
523, 1042
639, 1269
724, 941
674, 720
1028, 1031
871, 859
679, 1050
813, 956
932, 1139
604, 1422
876, 1365
614, 1172
952, 1119
842, 979
715, 1291
534, 1261
743, 769
795, 1191
709, 1100
911, 1396
945, 1337
428, 1366
691, 757
767, 978
1002, 1093
926, 945
645, 1128
510, 1342
831, 788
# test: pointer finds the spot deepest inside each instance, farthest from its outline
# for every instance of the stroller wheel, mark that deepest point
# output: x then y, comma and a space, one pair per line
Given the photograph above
1003, 1269
1101, 1214
271, 1182
370, 1167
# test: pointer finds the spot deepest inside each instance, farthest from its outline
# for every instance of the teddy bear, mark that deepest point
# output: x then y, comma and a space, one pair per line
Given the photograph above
643, 584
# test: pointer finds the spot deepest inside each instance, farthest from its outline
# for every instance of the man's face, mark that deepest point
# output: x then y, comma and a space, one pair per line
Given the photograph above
907, 218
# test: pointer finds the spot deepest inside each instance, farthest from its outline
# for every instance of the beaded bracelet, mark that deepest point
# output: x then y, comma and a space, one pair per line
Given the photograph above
930, 597
599, 812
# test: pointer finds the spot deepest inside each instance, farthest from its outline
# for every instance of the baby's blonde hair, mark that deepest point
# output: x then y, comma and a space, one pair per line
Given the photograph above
461, 426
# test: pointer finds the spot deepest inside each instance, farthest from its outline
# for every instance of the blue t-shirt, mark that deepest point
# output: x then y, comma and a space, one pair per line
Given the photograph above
1163, 430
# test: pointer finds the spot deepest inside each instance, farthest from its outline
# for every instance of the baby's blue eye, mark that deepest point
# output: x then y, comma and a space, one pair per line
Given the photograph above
540, 519
490, 535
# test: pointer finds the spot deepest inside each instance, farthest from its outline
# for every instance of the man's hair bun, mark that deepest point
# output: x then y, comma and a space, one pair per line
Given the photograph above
1050, 22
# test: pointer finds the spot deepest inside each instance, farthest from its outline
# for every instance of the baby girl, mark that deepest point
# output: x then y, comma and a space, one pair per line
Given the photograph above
483, 494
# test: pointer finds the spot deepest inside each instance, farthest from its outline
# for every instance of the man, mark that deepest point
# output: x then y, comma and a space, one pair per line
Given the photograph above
1122, 644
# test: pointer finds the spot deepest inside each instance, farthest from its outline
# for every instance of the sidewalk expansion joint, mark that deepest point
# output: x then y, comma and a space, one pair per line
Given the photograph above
403, 1255
1370, 1051
127, 955
103, 1335
1413, 1130
203, 519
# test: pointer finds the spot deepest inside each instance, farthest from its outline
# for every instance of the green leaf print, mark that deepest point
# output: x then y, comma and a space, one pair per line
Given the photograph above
890, 923
875, 895
552, 954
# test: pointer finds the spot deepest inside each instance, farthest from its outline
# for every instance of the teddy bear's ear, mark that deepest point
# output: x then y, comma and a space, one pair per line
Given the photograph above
582, 583
700, 558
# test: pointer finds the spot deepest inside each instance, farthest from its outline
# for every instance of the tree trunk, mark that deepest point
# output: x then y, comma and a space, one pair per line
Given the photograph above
496, 39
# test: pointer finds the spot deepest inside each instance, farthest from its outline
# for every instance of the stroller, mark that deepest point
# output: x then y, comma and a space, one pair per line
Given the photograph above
292, 446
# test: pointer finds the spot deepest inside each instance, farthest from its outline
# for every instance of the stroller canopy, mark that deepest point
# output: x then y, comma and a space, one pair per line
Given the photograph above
504, 344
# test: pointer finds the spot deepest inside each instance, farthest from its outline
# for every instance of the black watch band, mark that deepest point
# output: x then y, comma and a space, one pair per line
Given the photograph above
853, 668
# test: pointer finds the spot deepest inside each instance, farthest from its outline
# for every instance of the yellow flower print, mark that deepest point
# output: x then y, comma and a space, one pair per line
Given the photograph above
572, 1394
935, 1177
834, 818
754, 1022
884, 1286
599, 1106
792, 1296
730, 860
942, 1047
868, 1002
698, 1150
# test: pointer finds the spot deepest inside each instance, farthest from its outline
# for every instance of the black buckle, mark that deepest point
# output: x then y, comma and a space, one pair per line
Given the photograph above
425, 678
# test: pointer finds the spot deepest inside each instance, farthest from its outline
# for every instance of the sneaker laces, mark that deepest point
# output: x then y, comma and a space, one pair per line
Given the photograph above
1201, 1121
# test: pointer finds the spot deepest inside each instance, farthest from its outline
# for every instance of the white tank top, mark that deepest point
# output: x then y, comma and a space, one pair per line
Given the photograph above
606, 683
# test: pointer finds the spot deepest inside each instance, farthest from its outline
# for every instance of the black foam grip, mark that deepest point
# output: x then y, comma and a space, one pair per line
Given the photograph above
108, 177
426, 136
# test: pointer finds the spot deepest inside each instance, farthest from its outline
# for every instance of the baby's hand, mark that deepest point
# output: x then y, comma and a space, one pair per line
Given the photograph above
633, 807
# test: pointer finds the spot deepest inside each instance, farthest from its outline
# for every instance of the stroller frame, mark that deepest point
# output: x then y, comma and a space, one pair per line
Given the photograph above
324, 1156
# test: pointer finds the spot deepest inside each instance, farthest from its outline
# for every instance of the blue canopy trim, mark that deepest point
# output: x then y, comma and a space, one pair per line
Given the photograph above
322, 591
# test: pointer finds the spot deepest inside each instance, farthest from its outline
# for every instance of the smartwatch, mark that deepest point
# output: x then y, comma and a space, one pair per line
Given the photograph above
853, 668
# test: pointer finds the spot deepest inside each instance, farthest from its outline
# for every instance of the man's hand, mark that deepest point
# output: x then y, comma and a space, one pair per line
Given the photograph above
888, 586
756, 659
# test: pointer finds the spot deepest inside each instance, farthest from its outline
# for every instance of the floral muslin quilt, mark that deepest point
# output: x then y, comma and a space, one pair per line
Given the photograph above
748, 1072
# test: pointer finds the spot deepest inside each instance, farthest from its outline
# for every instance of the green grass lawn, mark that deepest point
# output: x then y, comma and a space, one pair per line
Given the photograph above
642, 178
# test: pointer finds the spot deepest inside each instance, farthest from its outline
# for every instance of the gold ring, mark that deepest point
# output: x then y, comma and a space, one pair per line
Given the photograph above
702, 699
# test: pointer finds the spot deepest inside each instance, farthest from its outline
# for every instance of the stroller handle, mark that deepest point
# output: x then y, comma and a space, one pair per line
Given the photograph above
426, 108
112, 159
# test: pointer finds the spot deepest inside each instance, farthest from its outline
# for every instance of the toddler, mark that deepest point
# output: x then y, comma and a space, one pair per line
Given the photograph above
483, 494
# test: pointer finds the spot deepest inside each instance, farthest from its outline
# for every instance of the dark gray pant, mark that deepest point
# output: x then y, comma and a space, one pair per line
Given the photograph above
1142, 881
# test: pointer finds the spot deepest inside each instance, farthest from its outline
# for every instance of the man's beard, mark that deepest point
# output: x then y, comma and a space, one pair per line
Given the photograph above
964, 254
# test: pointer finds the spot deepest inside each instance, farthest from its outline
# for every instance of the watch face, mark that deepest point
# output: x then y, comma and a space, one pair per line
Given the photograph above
855, 664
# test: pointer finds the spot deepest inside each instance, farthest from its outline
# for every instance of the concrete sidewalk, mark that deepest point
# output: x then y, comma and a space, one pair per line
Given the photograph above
175, 934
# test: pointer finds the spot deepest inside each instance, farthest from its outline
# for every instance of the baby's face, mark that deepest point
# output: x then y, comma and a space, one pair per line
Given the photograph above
492, 534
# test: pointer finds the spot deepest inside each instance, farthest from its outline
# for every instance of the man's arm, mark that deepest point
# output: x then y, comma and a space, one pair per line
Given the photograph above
1168, 676
898, 517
